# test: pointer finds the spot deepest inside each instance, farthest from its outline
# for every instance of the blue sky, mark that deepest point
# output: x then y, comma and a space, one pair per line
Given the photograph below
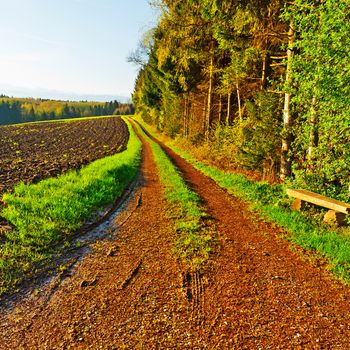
78, 47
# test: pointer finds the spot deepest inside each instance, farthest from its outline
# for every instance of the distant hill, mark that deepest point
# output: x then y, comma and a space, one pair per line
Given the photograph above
21, 92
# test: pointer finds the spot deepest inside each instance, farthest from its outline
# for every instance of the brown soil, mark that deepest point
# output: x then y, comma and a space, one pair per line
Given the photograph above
259, 292
35, 151
31, 152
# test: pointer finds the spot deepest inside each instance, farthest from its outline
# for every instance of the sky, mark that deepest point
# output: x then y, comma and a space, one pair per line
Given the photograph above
71, 49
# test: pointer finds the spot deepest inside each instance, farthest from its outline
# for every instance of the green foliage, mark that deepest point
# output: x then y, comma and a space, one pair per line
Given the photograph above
254, 142
221, 65
261, 129
47, 214
197, 42
321, 73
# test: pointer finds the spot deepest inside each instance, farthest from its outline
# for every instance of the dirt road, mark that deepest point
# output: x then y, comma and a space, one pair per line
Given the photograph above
131, 293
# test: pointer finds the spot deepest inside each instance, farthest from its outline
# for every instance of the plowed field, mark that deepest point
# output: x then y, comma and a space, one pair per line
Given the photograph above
32, 152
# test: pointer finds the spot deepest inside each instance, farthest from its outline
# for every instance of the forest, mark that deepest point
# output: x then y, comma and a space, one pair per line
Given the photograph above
21, 110
261, 86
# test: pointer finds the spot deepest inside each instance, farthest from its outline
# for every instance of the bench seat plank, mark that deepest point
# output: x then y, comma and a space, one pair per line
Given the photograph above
320, 200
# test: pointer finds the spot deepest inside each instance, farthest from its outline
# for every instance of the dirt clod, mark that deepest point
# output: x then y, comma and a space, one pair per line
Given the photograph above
86, 283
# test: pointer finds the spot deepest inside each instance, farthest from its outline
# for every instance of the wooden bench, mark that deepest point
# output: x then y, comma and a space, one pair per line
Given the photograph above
336, 214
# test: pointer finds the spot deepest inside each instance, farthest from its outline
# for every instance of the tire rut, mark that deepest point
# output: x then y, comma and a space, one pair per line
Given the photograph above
132, 274
193, 290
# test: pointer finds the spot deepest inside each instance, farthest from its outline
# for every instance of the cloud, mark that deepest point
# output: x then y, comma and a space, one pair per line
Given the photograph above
42, 39
14, 34
24, 57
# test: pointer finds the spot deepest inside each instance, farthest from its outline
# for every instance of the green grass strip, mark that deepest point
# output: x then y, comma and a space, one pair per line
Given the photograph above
48, 213
273, 204
64, 120
195, 241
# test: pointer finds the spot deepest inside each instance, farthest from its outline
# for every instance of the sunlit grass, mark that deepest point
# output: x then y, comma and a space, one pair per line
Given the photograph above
46, 215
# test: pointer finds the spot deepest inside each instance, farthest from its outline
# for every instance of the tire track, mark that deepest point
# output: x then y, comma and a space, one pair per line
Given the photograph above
193, 290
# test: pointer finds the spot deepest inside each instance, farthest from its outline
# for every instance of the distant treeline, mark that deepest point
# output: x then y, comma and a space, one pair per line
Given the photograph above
21, 110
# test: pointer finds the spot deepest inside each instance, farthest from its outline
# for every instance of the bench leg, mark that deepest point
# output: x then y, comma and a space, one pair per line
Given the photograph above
334, 217
298, 204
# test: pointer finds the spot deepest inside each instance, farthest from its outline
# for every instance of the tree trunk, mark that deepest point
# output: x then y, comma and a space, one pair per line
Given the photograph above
264, 71
184, 117
285, 170
228, 109
220, 109
239, 103
204, 113
313, 136
209, 102
188, 103
189, 118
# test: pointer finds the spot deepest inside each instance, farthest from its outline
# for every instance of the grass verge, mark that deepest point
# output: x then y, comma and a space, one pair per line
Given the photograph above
273, 204
196, 239
46, 215
64, 120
